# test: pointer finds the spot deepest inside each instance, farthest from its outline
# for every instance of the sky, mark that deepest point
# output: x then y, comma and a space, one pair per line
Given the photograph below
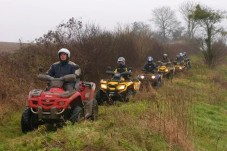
26, 20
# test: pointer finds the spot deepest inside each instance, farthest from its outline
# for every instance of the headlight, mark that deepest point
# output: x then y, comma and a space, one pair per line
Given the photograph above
120, 87
166, 70
180, 68
104, 86
103, 81
153, 77
142, 77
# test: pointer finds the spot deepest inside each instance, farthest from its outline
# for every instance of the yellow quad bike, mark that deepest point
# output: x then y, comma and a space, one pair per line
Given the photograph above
150, 80
117, 88
166, 69
179, 66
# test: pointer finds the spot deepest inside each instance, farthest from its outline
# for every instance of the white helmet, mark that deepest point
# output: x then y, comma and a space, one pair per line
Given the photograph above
181, 54
165, 55
149, 59
65, 51
121, 60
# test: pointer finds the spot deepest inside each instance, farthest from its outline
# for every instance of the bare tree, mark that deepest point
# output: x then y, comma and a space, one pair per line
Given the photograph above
186, 8
165, 20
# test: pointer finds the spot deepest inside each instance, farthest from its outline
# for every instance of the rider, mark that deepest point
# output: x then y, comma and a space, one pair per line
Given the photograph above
180, 57
64, 67
165, 58
187, 59
150, 66
122, 67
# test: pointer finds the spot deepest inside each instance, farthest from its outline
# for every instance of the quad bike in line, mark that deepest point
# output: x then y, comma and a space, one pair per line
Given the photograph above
54, 105
179, 67
118, 88
166, 69
150, 80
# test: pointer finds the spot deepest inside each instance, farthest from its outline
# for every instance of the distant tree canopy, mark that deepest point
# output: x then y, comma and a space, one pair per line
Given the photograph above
208, 19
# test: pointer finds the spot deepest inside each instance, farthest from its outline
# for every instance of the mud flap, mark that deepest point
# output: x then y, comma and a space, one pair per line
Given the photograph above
88, 104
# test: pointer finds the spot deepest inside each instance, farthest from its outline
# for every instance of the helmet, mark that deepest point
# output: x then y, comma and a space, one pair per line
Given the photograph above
65, 51
165, 55
121, 60
181, 54
150, 59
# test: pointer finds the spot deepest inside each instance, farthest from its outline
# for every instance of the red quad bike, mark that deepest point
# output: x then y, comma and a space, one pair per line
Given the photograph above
56, 106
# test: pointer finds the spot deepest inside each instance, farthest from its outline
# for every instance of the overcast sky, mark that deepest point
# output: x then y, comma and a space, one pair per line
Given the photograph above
30, 19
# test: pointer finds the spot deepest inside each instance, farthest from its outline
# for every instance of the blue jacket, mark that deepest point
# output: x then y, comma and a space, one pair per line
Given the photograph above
60, 69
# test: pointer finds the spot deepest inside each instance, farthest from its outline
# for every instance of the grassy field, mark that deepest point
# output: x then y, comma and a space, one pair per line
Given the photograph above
188, 113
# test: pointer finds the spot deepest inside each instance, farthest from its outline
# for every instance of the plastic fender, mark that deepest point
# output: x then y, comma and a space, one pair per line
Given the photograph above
88, 93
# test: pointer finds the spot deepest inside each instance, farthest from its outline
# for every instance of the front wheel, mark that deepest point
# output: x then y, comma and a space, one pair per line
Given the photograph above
99, 97
29, 121
158, 83
128, 95
77, 114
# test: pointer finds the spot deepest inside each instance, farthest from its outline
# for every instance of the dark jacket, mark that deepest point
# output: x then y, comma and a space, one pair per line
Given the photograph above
121, 68
150, 67
165, 60
60, 69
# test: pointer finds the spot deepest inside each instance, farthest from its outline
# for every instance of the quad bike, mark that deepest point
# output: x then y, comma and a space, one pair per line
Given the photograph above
166, 69
150, 80
179, 66
117, 88
54, 105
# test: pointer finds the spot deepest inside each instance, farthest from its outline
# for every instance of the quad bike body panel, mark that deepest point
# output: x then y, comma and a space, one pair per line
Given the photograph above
117, 88
179, 67
166, 69
54, 105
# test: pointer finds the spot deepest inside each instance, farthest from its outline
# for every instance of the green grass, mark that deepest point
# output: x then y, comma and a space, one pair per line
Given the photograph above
211, 126
116, 129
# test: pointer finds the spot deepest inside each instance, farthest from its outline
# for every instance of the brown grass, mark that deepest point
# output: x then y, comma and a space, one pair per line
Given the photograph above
9, 47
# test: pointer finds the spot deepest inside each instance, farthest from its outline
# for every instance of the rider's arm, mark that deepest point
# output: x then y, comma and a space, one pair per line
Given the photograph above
51, 71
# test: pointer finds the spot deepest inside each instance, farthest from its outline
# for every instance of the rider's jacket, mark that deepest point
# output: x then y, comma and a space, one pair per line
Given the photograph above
60, 69
120, 69
150, 67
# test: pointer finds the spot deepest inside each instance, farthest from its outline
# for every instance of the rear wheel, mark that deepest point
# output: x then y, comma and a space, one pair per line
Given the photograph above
29, 121
94, 115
